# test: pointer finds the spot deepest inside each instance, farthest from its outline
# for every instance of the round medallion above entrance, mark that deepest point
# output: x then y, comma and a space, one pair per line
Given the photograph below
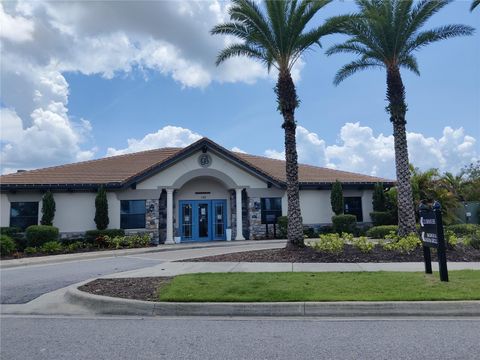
205, 160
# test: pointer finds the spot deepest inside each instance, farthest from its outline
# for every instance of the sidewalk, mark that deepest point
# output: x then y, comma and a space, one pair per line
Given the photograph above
4, 264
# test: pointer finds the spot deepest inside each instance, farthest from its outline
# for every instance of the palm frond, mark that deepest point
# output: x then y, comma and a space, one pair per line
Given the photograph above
441, 33
409, 62
241, 50
475, 3
353, 67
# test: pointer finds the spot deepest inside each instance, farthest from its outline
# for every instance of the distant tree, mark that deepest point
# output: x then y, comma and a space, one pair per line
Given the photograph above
336, 198
379, 201
101, 209
48, 209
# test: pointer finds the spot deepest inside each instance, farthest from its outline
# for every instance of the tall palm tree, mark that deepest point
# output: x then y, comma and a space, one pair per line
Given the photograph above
475, 3
274, 34
386, 34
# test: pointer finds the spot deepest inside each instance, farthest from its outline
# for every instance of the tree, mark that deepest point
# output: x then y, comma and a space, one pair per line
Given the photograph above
274, 34
101, 209
386, 34
336, 198
48, 209
475, 3
378, 198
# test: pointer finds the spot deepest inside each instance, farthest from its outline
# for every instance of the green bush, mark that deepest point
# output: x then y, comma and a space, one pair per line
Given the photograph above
48, 209
282, 222
363, 244
336, 198
139, 240
51, 247
309, 233
475, 240
9, 231
75, 246
344, 223
378, 198
451, 237
326, 229
92, 235
347, 237
380, 218
405, 244
331, 243
379, 232
37, 235
30, 250
463, 229
7, 245
101, 209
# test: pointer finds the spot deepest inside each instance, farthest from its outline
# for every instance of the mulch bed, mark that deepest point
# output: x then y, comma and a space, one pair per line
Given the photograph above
145, 288
349, 255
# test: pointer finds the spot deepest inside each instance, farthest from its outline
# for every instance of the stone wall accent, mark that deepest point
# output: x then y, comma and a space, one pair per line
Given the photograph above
162, 218
245, 214
258, 231
152, 218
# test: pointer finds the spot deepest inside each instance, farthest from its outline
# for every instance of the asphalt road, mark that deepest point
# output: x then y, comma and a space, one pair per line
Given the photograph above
23, 284
209, 338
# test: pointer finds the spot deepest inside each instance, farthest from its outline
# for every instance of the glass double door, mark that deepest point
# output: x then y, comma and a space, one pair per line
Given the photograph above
203, 220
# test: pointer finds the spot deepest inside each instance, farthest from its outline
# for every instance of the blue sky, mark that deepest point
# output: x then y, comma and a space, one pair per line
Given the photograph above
115, 87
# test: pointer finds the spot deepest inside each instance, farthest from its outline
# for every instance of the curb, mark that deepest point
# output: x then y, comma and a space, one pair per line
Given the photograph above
53, 259
105, 305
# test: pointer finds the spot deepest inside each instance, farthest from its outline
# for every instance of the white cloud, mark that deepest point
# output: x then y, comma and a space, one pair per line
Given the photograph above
40, 41
168, 136
360, 150
238, 150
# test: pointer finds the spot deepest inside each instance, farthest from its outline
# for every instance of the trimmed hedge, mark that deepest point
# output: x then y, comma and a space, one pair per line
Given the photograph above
344, 223
7, 245
382, 218
92, 235
37, 235
463, 229
379, 232
9, 231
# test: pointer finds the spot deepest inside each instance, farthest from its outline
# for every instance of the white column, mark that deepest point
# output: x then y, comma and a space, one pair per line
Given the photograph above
239, 215
169, 238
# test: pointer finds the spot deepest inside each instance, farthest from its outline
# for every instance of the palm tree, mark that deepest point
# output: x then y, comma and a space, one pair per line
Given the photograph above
475, 3
274, 34
386, 34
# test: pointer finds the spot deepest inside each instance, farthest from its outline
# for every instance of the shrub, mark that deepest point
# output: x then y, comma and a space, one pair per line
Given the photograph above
139, 240
451, 237
344, 223
92, 235
75, 246
379, 232
331, 243
347, 237
475, 240
380, 218
326, 229
101, 209
405, 244
7, 245
309, 233
463, 229
9, 231
336, 198
282, 222
48, 209
361, 230
378, 199
51, 247
30, 250
37, 235
363, 244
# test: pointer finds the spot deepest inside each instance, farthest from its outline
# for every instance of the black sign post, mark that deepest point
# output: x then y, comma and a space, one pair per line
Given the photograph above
431, 233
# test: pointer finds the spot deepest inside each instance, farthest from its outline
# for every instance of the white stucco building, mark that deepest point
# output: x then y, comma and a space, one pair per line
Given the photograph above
198, 193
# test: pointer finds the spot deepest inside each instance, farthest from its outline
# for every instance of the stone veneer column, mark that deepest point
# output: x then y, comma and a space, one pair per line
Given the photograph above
239, 235
152, 218
169, 238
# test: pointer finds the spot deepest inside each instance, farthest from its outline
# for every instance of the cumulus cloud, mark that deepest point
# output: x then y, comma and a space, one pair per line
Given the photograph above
168, 136
42, 40
238, 150
360, 150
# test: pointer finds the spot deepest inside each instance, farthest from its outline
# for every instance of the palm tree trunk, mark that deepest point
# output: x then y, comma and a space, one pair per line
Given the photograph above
287, 101
398, 108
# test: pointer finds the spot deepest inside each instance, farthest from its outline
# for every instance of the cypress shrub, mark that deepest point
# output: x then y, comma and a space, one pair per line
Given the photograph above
382, 218
101, 209
282, 222
378, 199
336, 198
48, 209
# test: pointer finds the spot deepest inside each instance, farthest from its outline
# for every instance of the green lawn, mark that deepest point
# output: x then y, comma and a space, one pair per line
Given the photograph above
333, 286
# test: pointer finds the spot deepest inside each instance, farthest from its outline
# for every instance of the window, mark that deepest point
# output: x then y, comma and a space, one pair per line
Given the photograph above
271, 210
353, 206
23, 214
132, 214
